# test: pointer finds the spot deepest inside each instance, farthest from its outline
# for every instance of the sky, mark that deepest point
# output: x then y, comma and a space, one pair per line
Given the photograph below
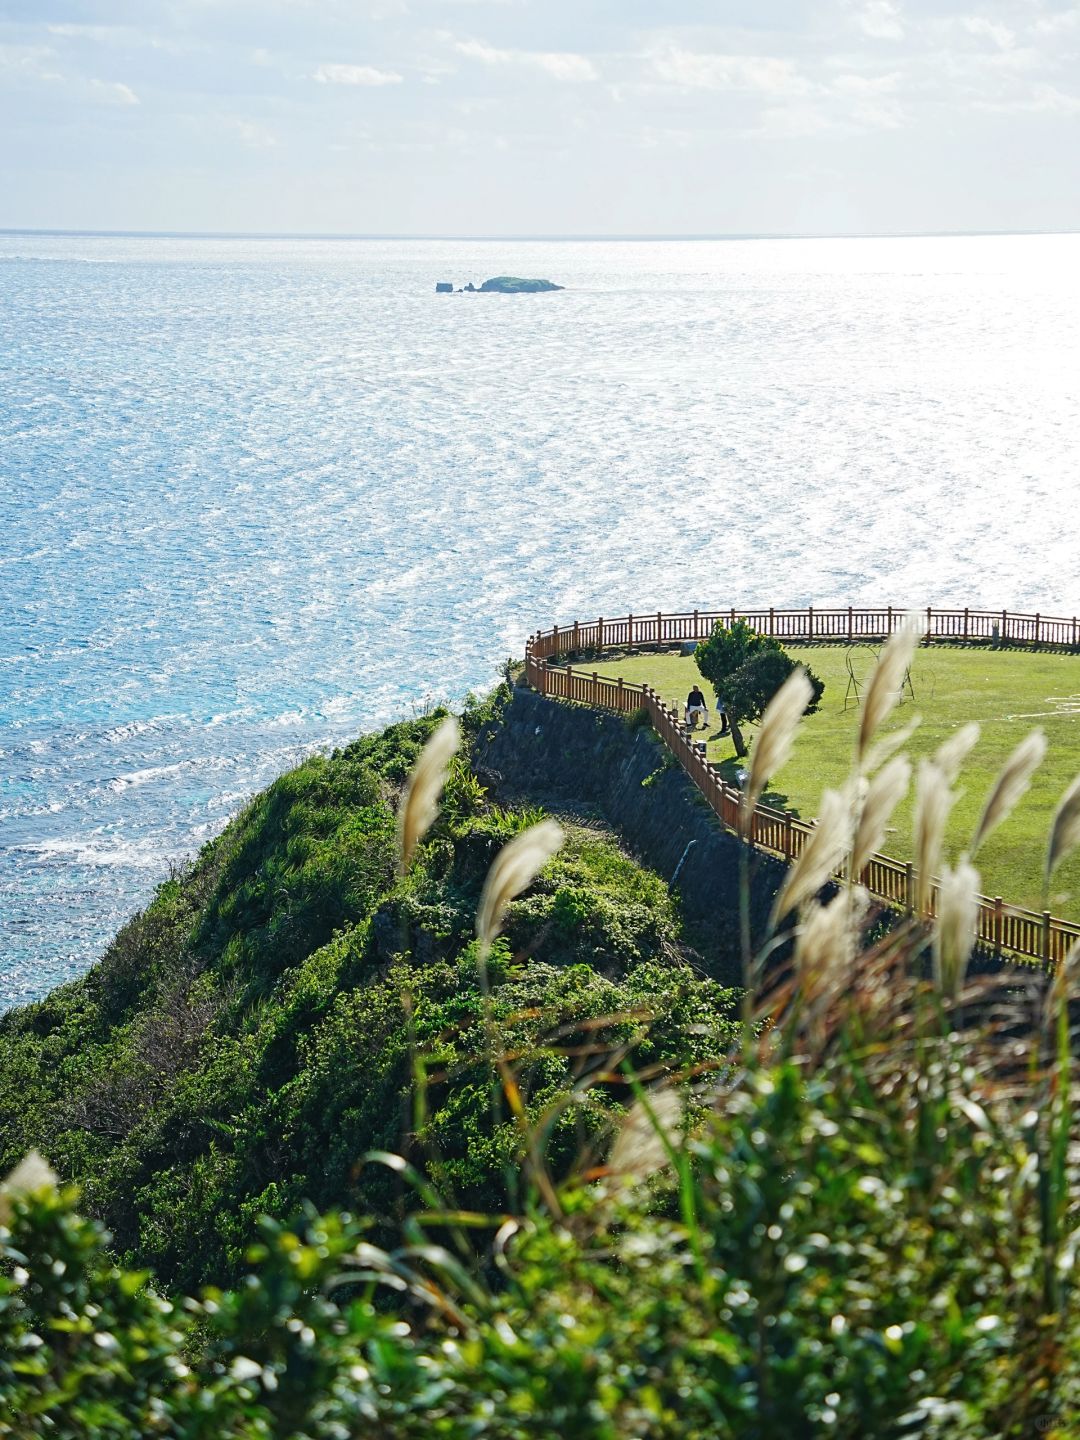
492, 117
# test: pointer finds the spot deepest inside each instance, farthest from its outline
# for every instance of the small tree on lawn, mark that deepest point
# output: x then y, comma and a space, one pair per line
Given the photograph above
727, 649
749, 689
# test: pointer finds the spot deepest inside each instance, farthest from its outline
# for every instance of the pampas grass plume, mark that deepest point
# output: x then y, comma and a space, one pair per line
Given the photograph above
933, 801
954, 935
883, 691
1065, 832
512, 871
421, 803
822, 853
884, 792
33, 1173
777, 731
951, 754
647, 1135
1010, 786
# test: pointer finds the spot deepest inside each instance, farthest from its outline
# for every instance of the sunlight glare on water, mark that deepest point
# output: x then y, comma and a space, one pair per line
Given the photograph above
259, 495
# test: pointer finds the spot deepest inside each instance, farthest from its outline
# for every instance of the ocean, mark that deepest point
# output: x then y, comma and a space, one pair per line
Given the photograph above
260, 495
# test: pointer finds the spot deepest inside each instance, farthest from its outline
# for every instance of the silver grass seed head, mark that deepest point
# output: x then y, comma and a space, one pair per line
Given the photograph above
650, 1129
776, 733
1065, 831
1010, 786
512, 871
426, 783
933, 802
824, 945
883, 690
822, 853
31, 1174
883, 793
950, 755
955, 931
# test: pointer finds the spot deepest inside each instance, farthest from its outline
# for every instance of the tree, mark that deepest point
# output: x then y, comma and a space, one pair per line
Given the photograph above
749, 689
727, 649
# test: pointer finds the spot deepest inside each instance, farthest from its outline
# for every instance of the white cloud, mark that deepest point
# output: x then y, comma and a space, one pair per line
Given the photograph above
114, 92
881, 20
698, 70
558, 64
1000, 34
355, 75
255, 137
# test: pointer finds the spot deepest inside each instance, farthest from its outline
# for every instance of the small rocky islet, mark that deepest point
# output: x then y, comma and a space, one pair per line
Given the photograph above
499, 285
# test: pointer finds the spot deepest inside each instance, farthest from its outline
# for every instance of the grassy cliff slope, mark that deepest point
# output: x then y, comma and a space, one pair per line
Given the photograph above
287, 1003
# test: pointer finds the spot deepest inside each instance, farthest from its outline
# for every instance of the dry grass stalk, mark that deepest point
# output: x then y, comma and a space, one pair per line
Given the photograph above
777, 732
1010, 786
426, 783
954, 934
33, 1173
951, 754
884, 792
822, 854
883, 691
1065, 831
650, 1130
513, 870
933, 801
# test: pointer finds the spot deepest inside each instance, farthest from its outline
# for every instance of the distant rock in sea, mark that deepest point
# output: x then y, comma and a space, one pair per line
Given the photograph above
514, 285
500, 285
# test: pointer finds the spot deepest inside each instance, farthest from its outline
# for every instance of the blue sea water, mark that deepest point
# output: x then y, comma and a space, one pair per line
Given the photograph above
259, 495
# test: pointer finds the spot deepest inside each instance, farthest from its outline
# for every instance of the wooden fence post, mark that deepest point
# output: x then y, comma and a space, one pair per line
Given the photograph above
849, 624
1004, 625
929, 622
810, 614
999, 922
659, 626
1038, 629
890, 622
772, 621
787, 834
909, 887
1046, 938
600, 634
696, 632
630, 632
965, 622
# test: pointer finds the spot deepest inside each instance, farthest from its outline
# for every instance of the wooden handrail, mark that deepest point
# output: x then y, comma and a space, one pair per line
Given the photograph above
1032, 934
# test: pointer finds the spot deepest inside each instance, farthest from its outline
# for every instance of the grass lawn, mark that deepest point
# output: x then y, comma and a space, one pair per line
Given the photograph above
1007, 691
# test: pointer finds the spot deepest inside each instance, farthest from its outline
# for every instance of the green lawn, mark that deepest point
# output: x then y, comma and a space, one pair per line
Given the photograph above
1007, 691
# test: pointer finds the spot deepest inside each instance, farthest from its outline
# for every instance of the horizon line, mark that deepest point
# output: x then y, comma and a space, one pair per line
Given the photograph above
524, 237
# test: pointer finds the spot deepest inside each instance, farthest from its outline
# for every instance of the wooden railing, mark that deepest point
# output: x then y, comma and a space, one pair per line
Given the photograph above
1003, 928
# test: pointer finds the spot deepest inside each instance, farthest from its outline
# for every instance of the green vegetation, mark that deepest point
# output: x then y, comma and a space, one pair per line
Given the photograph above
855, 1215
875, 1236
1007, 691
264, 1023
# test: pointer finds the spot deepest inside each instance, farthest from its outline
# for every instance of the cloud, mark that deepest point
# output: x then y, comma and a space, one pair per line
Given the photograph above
1000, 34
697, 70
356, 75
114, 92
558, 64
880, 19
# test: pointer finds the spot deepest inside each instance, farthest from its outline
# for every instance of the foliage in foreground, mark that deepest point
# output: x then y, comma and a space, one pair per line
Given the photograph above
871, 1234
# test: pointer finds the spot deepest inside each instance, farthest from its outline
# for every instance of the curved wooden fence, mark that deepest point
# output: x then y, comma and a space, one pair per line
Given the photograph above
1011, 929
